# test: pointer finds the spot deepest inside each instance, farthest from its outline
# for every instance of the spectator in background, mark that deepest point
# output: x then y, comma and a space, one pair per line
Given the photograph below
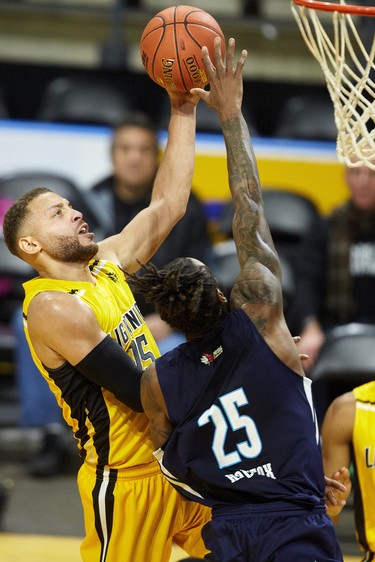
135, 156
336, 269
336, 277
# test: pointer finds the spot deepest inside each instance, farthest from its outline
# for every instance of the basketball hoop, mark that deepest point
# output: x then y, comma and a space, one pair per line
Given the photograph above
348, 67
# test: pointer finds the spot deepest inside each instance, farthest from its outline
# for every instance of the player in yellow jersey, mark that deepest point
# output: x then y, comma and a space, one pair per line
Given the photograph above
80, 316
348, 437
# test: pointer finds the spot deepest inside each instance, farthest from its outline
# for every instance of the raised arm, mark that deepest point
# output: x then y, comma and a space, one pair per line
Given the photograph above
140, 239
258, 288
259, 280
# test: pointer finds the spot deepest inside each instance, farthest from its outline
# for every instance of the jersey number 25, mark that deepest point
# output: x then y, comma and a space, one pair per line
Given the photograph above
227, 417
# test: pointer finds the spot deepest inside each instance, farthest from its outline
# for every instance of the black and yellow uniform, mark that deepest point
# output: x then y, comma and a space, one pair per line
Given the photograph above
131, 512
364, 465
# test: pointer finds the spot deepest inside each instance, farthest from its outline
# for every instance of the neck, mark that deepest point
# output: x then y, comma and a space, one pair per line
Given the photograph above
67, 271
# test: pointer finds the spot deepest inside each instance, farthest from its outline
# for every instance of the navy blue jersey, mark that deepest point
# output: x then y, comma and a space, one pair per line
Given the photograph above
245, 426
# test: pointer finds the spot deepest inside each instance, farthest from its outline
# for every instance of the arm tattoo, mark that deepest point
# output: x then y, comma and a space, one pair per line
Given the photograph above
251, 233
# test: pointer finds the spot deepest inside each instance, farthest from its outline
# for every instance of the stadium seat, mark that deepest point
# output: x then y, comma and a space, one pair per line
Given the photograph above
307, 117
348, 355
207, 119
83, 100
346, 360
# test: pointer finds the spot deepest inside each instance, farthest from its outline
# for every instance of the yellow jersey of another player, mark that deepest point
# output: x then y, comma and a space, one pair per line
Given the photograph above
108, 432
364, 463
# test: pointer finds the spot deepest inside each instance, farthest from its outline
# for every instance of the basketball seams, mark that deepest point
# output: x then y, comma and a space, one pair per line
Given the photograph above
202, 25
146, 33
180, 67
156, 52
173, 57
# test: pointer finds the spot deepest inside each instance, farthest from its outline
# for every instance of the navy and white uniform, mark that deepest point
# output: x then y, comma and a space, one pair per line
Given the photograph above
246, 442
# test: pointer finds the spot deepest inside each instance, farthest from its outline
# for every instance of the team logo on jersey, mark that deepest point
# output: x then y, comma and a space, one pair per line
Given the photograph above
209, 358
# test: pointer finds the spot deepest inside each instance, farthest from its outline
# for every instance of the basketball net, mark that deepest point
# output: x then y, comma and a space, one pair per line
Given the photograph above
346, 64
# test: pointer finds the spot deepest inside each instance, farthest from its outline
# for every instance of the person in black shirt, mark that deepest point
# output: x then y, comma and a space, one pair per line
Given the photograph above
336, 266
336, 276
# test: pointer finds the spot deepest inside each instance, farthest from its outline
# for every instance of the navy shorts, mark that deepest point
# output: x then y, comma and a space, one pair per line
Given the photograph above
242, 535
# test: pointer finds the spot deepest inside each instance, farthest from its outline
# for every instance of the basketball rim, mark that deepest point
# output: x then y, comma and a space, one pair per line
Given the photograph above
331, 7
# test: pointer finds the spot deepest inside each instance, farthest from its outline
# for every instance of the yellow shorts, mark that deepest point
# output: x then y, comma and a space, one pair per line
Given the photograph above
134, 515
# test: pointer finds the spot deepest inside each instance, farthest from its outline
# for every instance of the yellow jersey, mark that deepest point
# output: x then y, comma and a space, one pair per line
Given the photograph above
109, 434
364, 465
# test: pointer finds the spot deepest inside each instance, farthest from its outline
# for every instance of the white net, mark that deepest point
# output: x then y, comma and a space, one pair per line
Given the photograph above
349, 70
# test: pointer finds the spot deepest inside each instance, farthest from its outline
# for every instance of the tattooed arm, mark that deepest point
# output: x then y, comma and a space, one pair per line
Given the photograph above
258, 287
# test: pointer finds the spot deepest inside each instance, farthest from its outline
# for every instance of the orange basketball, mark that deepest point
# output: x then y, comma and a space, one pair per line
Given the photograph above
171, 47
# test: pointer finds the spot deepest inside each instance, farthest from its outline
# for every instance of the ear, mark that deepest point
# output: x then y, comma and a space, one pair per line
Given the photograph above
28, 245
220, 296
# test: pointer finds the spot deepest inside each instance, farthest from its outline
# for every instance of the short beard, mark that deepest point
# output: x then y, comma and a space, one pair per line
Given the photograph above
69, 250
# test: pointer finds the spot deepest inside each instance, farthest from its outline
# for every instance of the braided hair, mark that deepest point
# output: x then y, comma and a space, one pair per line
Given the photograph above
184, 293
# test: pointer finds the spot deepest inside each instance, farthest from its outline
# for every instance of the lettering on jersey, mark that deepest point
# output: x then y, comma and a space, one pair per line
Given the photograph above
94, 264
77, 292
209, 358
262, 470
112, 276
130, 321
370, 456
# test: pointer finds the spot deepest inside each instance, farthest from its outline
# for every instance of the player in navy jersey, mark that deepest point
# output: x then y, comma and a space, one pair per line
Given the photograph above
231, 410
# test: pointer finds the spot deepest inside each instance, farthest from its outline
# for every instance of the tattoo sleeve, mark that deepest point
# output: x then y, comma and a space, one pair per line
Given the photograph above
260, 267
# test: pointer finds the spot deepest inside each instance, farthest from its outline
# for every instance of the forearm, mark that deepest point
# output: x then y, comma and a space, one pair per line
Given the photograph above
145, 233
110, 367
241, 162
175, 175
249, 225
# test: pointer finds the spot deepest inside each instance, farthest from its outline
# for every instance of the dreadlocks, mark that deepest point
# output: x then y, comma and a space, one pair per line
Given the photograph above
184, 294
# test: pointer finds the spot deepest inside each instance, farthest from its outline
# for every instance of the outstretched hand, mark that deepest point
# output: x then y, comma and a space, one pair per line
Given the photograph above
226, 84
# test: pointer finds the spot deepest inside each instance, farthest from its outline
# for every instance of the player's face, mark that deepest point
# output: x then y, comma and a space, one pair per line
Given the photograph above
361, 182
60, 230
135, 158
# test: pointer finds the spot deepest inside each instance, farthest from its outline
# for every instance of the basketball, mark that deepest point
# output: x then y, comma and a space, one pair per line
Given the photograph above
171, 46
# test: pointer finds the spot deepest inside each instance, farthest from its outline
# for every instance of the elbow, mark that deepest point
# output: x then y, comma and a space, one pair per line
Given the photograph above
176, 212
131, 400
181, 214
